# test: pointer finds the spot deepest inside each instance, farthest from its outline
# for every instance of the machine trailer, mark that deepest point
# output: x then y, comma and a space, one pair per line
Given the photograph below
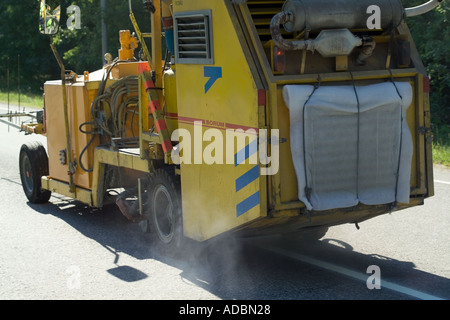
253, 117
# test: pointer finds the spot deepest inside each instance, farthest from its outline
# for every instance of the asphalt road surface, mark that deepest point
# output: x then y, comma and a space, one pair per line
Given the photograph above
65, 250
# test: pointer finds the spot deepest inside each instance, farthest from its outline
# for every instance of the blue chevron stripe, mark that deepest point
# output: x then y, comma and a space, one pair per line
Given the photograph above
247, 178
247, 204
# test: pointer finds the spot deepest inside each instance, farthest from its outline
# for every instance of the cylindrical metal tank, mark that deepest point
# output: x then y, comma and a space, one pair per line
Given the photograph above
335, 14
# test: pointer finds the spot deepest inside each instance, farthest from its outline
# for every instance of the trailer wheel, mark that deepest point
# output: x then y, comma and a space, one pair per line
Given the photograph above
164, 203
33, 164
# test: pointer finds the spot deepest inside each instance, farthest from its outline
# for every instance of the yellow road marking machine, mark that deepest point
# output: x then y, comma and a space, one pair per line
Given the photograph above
263, 117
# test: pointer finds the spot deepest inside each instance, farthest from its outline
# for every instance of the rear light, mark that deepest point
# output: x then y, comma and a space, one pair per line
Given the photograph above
279, 60
261, 97
426, 84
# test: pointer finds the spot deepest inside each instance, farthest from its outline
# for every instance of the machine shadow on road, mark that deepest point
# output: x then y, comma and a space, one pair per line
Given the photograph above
243, 268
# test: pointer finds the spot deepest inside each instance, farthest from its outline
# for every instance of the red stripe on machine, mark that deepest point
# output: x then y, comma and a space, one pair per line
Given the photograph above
167, 146
161, 125
149, 84
426, 84
154, 106
261, 97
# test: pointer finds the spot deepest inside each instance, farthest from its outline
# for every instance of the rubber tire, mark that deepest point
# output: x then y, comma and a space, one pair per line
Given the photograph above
33, 164
165, 211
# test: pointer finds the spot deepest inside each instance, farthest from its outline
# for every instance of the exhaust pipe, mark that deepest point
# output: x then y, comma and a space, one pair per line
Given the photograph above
329, 43
131, 212
333, 23
423, 8
318, 15
340, 16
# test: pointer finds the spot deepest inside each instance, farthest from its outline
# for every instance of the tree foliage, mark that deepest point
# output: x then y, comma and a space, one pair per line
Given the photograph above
431, 33
23, 48
81, 49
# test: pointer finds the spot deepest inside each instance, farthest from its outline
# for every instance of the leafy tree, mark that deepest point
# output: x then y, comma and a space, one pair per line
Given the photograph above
81, 49
431, 33
19, 37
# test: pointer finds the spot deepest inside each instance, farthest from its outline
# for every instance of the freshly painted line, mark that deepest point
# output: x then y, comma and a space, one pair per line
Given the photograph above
443, 182
352, 273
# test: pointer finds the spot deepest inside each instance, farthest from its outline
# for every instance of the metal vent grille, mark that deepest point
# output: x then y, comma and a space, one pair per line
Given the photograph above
193, 37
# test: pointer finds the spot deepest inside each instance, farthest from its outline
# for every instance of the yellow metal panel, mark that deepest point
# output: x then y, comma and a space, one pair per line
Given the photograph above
145, 122
218, 197
288, 179
55, 129
62, 188
81, 113
122, 70
121, 159
170, 93
428, 147
415, 119
411, 116
420, 143
98, 184
79, 99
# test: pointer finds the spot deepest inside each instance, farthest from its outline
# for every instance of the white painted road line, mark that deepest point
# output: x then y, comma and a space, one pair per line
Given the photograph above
443, 182
351, 273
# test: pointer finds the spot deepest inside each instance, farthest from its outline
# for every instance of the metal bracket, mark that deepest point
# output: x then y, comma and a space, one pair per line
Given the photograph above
424, 130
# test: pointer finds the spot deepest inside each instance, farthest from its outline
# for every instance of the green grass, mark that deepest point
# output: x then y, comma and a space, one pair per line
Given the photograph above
441, 154
441, 145
26, 100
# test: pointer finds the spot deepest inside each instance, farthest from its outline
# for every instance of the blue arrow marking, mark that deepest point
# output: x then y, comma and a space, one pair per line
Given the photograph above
213, 73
